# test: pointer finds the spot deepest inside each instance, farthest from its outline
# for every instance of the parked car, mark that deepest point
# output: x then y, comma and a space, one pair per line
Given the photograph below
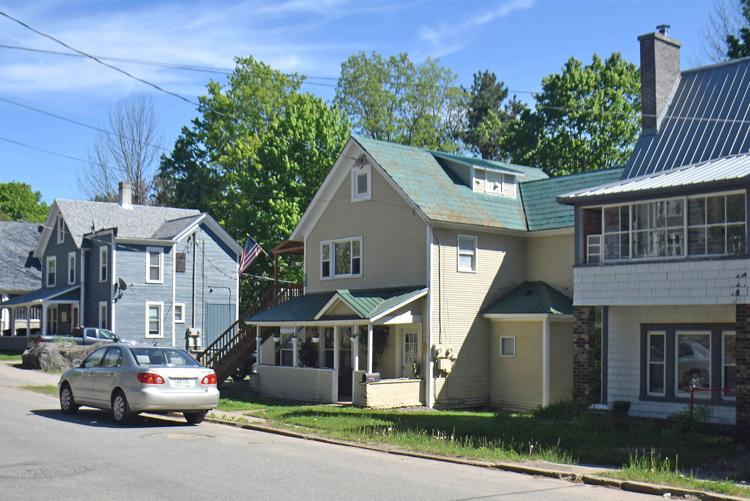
89, 335
130, 379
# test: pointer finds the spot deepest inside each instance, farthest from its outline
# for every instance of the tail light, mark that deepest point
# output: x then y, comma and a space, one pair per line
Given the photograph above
150, 378
208, 380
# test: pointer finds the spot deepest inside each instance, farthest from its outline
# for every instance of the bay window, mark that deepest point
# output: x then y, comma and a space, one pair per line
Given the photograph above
341, 258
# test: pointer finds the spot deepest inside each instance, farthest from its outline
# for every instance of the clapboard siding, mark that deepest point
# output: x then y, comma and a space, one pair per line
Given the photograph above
297, 383
93, 290
60, 251
517, 381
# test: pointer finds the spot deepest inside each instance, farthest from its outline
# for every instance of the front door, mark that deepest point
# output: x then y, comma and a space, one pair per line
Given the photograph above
410, 354
345, 364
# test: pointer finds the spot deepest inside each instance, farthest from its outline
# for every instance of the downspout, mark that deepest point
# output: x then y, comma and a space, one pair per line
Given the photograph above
192, 303
545, 361
429, 372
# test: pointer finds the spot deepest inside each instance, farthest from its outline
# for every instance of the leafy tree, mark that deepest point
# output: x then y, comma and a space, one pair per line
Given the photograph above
393, 99
18, 202
585, 118
488, 116
254, 157
738, 45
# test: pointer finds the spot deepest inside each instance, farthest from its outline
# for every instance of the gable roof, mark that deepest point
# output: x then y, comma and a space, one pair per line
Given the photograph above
532, 298
19, 271
707, 118
544, 212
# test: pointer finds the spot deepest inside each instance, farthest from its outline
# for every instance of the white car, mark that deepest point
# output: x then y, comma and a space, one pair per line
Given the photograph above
131, 379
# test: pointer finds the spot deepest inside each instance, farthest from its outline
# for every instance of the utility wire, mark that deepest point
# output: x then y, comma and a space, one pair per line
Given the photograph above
37, 148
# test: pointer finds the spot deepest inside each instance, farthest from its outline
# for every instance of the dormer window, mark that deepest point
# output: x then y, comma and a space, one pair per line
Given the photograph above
493, 182
361, 183
60, 230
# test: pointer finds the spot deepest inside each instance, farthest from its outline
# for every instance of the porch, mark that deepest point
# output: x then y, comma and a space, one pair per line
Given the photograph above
43, 311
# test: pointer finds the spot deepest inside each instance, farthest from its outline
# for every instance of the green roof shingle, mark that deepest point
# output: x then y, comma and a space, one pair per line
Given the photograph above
530, 298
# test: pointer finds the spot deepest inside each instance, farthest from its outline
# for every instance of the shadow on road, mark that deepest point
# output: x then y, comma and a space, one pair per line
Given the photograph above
101, 419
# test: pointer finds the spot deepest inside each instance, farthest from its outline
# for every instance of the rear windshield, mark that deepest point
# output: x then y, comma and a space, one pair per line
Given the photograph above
163, 357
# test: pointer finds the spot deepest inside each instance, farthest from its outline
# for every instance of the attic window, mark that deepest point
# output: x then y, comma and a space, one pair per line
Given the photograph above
60, 230
494, 182
361, 183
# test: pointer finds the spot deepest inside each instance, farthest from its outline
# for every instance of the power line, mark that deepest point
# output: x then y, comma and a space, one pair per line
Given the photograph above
32, 147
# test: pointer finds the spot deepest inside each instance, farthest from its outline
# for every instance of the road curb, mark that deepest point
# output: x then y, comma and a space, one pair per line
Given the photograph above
625, 485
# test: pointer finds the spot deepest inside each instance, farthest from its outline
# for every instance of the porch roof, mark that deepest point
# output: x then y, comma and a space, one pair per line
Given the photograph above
532, 298
64, 292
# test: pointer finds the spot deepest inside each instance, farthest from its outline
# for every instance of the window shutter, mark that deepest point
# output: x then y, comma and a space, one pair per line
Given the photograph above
180, 263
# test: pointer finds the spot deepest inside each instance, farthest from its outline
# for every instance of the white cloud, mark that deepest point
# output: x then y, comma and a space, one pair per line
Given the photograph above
447, 38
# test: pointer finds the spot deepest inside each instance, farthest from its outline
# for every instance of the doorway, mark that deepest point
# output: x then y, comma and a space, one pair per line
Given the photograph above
410, 350
345, 364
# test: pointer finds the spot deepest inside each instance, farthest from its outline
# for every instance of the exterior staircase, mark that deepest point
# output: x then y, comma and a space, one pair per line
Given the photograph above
233, 347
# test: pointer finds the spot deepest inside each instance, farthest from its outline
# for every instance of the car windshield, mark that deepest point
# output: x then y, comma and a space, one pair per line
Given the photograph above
105, 334
163, 357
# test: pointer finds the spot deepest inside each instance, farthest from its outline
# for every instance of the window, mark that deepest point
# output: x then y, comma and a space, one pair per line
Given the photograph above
656, 358
728, 364
52, 319
154, 265
60, 230
341, 258
361, 183
286, 350
658, 228
507, 346
330, 346
716, 225
467, 253
411, 350
179, 313
51, 271
103, 263
103, 315
616, 233
71, 268
154, 320
493, 182
693, 362
94, 359
112, 359
180, 262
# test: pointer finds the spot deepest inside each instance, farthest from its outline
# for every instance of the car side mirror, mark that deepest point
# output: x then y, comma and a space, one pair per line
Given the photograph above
77, 362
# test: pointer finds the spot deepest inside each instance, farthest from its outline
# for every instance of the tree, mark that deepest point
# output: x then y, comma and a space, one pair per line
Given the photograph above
128, 152
726, 20
254, 157
585, 118
488, 116
738, 43
393, 99
18, 202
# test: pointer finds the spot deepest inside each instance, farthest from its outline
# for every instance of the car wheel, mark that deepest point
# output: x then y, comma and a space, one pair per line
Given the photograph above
67, 402
195, 417
120, 409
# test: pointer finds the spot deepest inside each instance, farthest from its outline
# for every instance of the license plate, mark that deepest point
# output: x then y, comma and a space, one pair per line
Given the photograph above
183, 383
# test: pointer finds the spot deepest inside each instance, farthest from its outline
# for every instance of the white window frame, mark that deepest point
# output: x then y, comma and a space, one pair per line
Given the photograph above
332, 258
160, 305
706, 226
508, 182
724, 335
500, 348
50, 259
103, 318
460, 253
365, 169
60, 227
663, 363
181, 319
705, 395
72, 267
149, 251
103, 263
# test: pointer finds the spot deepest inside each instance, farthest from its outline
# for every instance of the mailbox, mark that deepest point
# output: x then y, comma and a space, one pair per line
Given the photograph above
372, 377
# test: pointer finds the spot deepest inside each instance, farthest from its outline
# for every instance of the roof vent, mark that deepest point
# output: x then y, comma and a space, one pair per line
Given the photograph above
663, 29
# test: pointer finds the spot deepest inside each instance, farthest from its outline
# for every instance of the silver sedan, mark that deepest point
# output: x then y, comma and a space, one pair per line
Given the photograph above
131, 379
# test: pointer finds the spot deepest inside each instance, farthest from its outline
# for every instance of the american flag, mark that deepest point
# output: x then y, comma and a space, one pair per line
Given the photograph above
251, 251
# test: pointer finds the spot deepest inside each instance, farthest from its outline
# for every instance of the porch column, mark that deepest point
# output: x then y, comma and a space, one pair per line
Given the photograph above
545, 361
336, 347
28, 321
742, 359
44, 319
258, 346
369, 348
583, 356
355, 350
12, 319
295, 343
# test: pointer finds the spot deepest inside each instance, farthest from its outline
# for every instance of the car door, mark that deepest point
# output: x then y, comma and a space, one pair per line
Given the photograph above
89, 336
105, 376
83, 385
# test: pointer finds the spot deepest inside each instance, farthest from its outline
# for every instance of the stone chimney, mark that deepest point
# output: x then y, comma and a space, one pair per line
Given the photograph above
660, 74
126, 195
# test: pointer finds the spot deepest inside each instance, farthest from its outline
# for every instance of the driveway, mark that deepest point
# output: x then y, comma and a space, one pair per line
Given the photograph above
44, 454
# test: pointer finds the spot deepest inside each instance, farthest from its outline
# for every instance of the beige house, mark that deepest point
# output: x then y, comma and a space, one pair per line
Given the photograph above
430, 279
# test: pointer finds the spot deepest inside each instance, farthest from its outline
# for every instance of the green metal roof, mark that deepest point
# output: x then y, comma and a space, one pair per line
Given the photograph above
532, 297
365, 304
539, 198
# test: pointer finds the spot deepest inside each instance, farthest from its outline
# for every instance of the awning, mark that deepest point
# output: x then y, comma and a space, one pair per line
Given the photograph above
62, 293
531, 298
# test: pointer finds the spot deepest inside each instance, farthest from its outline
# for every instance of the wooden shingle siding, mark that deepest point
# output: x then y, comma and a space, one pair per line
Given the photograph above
516, 382
393, 239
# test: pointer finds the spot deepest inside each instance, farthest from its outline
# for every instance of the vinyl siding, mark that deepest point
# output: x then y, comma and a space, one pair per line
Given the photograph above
297, 383
517, 381
561, 361
393, 239
624, 353
96, 291
60, 251
458, 299
550, 259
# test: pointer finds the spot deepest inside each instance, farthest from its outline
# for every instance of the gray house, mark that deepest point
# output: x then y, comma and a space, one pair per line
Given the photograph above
146, 273
20, 272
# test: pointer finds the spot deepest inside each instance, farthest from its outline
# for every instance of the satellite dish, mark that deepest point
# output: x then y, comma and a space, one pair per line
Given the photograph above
122, 284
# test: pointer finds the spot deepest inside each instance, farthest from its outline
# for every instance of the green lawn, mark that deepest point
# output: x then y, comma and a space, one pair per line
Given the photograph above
47, 389
554, 434
10, 357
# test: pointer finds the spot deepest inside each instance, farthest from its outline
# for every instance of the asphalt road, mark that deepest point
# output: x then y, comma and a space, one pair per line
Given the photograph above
45, 455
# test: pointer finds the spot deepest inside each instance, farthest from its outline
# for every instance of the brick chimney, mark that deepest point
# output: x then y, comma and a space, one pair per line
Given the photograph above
660, 74
126, 195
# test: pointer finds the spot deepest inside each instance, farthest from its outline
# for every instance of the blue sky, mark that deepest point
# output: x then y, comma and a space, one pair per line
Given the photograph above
520, 40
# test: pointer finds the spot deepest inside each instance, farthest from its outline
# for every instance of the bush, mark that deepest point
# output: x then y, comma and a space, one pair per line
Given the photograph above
562, 410
691, 420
